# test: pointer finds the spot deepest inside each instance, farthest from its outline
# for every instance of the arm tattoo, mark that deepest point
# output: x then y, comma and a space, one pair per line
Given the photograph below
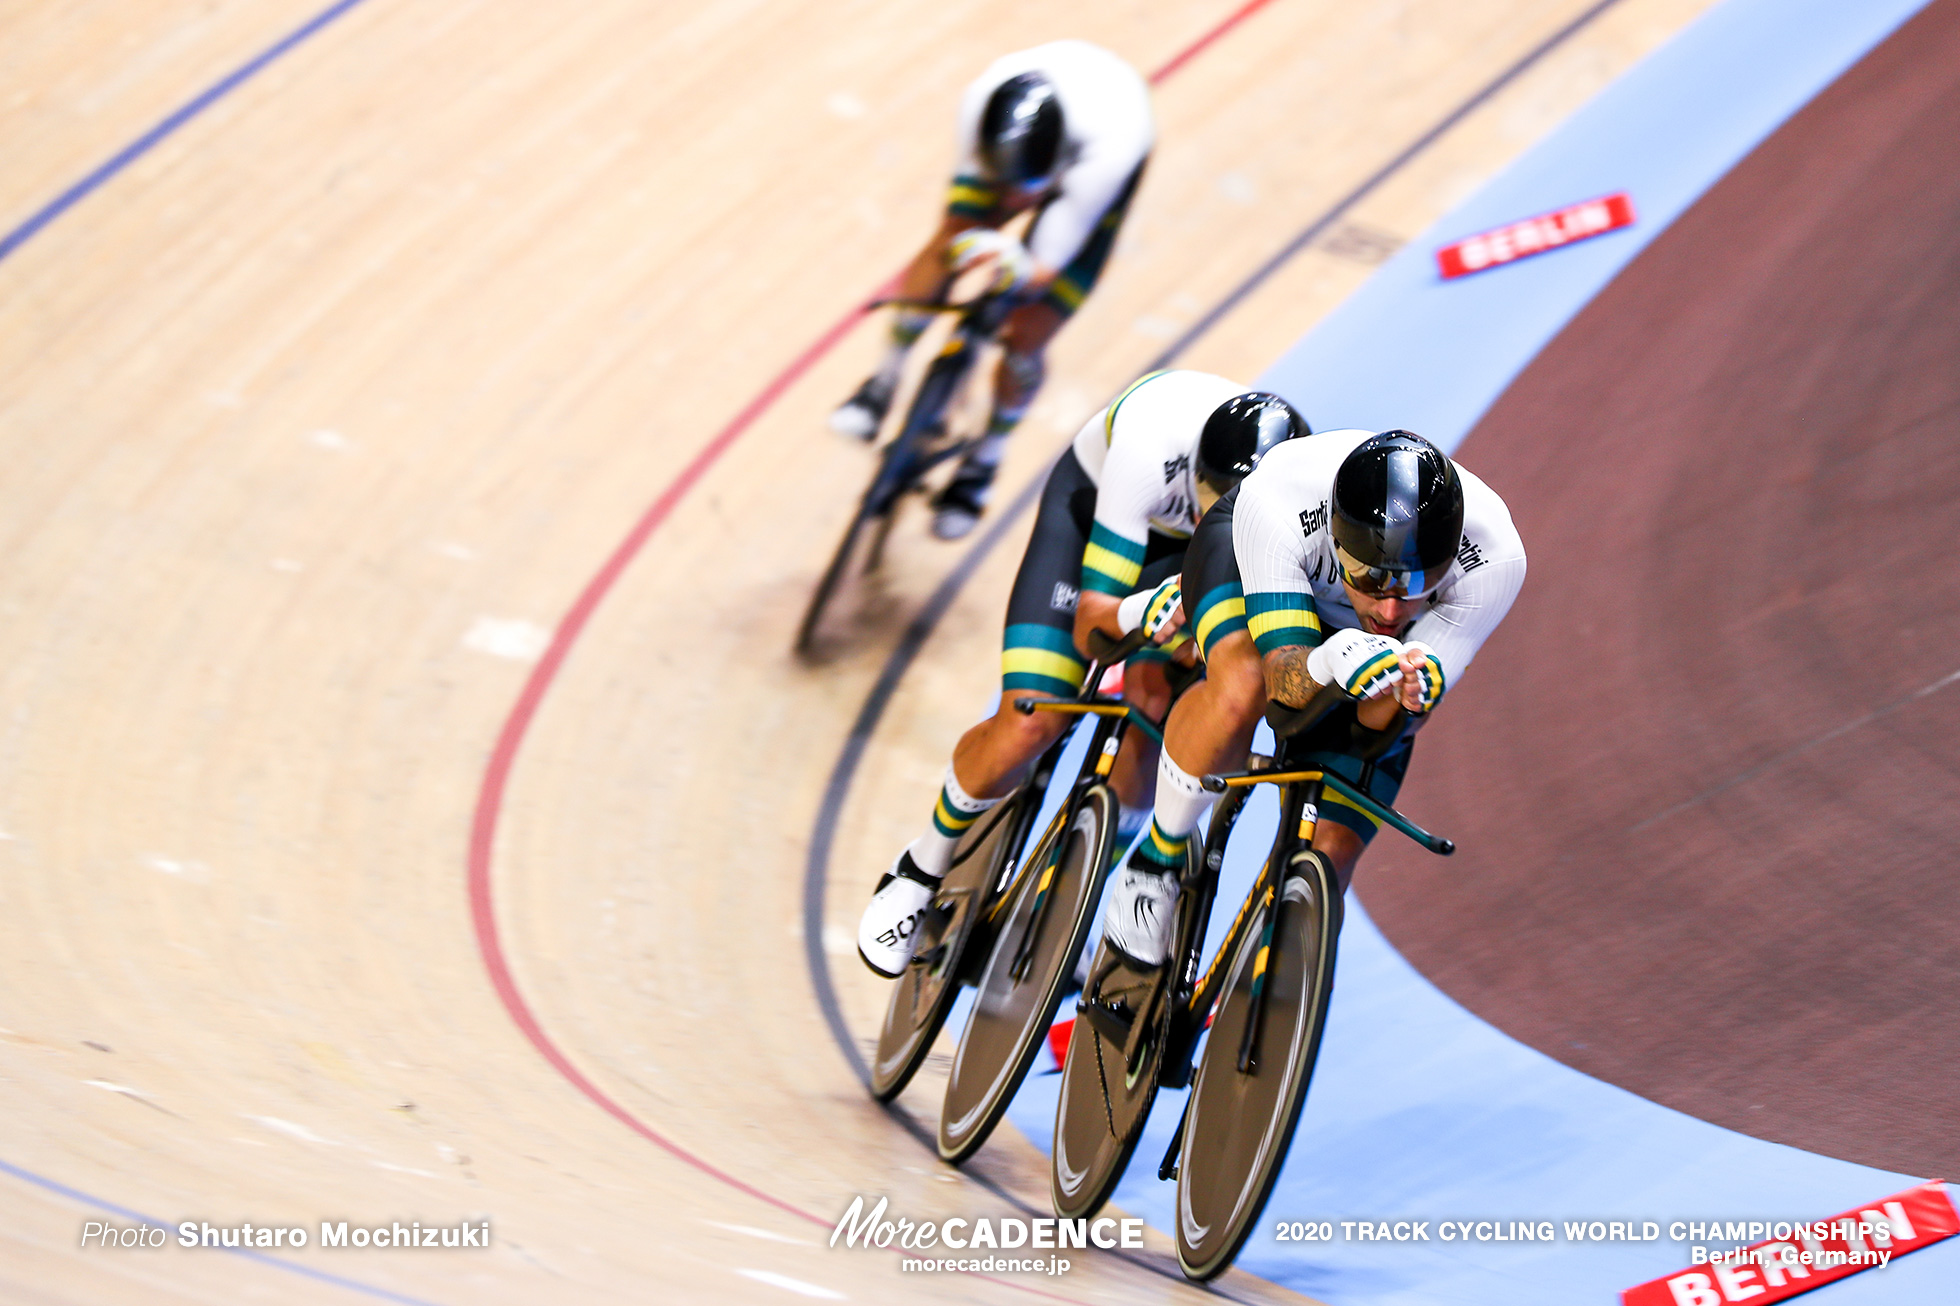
1286, 676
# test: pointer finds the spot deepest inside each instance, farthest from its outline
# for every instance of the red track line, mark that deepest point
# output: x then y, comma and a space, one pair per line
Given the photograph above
1197, 47
496, 777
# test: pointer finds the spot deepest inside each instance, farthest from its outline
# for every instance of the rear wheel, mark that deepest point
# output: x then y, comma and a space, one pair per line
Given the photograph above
1108, 1082
1241, 1122
848, 595
848, 586
1043, 925
924, 991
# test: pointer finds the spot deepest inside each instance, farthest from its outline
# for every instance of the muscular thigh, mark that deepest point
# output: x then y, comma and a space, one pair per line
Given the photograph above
1038, 648
1214, 599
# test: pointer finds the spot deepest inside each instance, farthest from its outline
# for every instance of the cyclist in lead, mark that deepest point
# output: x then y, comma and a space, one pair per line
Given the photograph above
1063, 129
1109, 539
1369, 561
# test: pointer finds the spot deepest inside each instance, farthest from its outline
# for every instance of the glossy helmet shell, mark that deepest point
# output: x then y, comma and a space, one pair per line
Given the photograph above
1238, 434
1021, 130
1398, 507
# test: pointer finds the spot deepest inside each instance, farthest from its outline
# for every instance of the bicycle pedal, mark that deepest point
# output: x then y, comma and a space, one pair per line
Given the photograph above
1113, 1022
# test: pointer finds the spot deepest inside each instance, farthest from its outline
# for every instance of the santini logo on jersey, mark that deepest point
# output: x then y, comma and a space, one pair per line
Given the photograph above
1470, 555
1313, 519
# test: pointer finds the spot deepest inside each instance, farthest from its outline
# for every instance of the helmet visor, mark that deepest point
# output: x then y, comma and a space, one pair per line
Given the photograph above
1386, 583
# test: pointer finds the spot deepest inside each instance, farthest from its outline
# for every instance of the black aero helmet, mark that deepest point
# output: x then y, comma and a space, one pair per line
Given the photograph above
1021, 130
1398, 514
1238, 434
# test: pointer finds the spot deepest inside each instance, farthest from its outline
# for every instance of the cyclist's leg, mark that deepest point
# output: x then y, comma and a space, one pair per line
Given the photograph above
1038, 660
1209, 729
1023, 366
924, 280
1147, 687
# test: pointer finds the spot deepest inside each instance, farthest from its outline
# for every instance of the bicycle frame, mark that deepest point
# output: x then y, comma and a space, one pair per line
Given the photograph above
1113, 720
1193, 998
903, 462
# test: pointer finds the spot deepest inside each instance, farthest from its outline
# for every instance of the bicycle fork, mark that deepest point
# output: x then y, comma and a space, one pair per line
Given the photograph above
1301, 809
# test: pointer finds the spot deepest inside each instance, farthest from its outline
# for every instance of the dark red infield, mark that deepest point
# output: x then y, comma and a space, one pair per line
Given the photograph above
1706, 777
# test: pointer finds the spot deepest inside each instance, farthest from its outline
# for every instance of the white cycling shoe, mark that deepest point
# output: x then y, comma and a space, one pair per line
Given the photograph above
889, 928
1140, 915
860, 416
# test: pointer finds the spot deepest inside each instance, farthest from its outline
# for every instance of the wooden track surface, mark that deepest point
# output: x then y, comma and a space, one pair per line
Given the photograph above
319, 415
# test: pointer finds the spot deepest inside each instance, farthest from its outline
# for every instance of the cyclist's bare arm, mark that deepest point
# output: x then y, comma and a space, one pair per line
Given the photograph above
925, 279
1097, 611
1288, 683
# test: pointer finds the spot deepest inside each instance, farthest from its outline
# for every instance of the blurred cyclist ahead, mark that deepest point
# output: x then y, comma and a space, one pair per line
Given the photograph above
1063, 129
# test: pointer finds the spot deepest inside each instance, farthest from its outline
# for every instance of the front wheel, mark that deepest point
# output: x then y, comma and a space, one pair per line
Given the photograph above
1044, 922
1241, 1121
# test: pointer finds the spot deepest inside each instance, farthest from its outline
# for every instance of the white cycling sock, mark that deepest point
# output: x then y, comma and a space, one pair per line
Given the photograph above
1181, 799
952, 816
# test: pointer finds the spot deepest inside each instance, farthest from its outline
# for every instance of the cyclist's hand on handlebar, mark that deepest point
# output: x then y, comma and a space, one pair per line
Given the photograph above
1422, 679
1363, 665
1013, 265
1160, 612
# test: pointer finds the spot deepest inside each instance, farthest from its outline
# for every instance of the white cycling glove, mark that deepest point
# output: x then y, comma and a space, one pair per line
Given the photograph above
1014, 266
1362, 664
1151, 609
1429, 677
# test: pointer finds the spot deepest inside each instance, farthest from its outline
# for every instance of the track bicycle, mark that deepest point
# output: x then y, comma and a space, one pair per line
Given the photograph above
988, 886
1263, 999
923, 443
1041, 922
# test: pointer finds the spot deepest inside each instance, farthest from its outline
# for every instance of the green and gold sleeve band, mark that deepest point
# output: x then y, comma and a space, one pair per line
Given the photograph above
972, 197
1110, 563
1281, 620
1041, 658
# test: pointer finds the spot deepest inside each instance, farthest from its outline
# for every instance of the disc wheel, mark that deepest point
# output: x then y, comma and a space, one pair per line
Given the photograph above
1108, 1085
846, 588
924, 991
1241, 1123
1029, 966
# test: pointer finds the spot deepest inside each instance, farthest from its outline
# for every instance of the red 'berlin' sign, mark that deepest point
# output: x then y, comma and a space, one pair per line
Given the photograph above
1516, 240
1809, 1255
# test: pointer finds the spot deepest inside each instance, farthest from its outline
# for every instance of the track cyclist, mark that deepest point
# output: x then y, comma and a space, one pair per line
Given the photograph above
1369, 561
1108, 540
1063, 129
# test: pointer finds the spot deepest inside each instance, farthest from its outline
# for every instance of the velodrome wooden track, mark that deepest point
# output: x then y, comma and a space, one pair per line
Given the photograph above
319, 416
